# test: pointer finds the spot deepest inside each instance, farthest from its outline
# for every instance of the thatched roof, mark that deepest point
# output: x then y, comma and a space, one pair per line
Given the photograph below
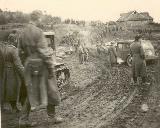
134, 16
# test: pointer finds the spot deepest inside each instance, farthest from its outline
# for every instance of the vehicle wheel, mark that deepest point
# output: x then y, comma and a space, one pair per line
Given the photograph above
129, 61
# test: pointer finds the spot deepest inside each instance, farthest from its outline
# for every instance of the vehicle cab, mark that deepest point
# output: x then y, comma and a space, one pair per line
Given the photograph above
123, 51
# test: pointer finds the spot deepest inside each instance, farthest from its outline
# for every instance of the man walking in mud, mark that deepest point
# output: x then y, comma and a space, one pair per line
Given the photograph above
40, 77
138, 61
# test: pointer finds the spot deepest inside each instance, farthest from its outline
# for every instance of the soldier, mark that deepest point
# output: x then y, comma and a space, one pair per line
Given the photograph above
12, 74
138, 61
112, 54
86, 53
40, 78
81, 54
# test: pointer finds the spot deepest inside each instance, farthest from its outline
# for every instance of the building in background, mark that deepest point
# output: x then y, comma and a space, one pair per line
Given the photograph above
134, 19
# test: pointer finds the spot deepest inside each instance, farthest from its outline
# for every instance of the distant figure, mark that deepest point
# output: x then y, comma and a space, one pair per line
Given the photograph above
81, 54
112, 54
86, 53
138, 61
76, 44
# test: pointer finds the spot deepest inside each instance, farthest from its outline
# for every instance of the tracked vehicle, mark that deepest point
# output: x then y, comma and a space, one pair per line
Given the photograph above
62, 71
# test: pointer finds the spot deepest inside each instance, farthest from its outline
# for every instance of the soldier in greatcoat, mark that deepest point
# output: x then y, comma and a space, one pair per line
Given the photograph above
39, 72
11, 74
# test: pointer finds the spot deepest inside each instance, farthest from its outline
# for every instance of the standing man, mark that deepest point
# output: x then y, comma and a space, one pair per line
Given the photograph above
112, 54
40, 77
81, 54
86, 53
138, 61
11, 74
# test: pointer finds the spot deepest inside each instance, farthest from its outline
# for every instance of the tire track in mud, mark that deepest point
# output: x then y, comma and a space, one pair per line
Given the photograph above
116, 111
133, 116
88, 106
107, 107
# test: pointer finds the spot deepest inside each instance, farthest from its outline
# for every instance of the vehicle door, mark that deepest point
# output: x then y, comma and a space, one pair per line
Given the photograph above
123, 49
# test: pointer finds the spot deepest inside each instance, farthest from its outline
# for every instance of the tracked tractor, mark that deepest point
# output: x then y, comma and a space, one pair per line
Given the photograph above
62, 71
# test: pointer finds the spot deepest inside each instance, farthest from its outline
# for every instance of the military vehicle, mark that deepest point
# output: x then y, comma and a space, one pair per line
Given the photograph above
123, 51
62, 71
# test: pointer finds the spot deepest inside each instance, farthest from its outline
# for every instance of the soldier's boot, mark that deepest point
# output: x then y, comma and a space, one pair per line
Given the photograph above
52, 116
38, 117
33, 117
24, 112
14, 107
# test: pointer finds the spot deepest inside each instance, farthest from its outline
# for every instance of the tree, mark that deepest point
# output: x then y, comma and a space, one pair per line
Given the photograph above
3, 19
20, 17
46, 19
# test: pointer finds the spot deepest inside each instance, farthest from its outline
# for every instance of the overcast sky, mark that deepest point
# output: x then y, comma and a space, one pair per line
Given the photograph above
104, 10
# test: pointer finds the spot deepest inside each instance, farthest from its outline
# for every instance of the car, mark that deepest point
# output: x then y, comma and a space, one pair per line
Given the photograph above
123, 51
62, 71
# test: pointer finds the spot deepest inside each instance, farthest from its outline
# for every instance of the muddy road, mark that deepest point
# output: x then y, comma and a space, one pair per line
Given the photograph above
103, 100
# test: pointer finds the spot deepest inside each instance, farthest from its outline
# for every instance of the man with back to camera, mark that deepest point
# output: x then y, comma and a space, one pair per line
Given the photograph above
40, 77
138, 61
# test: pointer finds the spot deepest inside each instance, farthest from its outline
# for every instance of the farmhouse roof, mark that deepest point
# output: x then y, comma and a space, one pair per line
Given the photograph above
134, 16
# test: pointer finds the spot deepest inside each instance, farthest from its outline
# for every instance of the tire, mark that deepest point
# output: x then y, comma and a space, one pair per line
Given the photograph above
129, 61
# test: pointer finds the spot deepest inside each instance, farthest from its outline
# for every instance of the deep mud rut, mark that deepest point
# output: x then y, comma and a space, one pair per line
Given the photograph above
95, 100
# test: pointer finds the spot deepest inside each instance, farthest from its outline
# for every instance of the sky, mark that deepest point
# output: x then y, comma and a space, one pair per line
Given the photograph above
103, 10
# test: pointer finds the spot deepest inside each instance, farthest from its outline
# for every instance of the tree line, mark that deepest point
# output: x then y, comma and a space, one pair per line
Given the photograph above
7, 16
